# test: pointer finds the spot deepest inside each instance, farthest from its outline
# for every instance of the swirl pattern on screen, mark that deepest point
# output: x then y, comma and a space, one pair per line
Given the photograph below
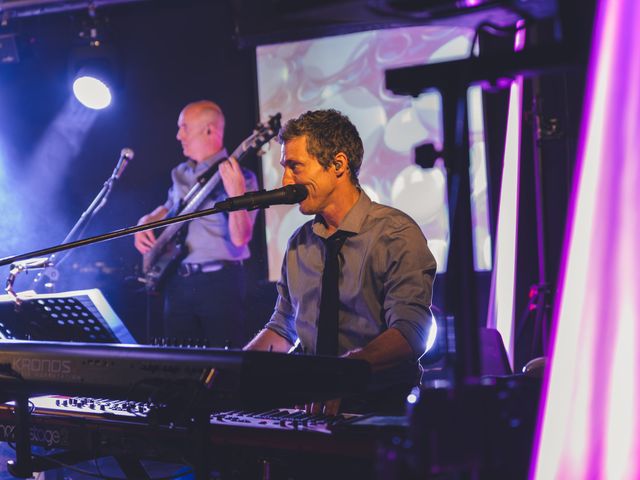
347, 73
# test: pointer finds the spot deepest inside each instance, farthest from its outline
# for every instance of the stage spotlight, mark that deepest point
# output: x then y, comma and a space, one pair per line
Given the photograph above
92, 89
93, 66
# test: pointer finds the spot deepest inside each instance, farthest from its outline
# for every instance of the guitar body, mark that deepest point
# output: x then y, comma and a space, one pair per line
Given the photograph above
157, 264
169, 248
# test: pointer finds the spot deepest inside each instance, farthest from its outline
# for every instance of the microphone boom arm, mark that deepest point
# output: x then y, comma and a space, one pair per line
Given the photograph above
219, 207
109, 236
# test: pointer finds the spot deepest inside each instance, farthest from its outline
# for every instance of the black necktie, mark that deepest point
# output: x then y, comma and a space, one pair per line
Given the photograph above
327, 341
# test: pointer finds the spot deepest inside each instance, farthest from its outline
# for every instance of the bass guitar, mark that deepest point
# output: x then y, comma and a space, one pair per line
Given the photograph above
169, 246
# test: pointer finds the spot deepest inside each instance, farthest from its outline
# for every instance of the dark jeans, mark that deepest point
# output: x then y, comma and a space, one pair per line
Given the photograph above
207, 306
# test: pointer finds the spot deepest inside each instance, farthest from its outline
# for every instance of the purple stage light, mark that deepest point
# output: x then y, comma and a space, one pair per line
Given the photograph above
501, 308
589, 424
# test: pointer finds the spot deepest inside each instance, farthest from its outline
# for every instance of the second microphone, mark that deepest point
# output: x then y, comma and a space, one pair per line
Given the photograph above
287, 195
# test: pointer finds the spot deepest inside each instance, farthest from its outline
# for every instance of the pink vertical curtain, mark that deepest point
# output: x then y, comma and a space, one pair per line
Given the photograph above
588, 425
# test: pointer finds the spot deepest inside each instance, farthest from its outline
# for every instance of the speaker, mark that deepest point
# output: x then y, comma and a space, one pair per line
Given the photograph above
77, 316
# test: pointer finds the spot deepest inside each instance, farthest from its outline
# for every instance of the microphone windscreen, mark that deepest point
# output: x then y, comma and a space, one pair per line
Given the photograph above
126, 152
296, 193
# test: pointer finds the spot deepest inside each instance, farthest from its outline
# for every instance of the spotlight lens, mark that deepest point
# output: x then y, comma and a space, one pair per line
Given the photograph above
91, 92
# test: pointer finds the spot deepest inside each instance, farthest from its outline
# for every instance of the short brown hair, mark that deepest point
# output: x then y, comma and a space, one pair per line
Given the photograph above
328, 133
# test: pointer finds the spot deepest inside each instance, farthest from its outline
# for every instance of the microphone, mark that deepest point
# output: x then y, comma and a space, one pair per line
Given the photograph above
263, 199
126, 154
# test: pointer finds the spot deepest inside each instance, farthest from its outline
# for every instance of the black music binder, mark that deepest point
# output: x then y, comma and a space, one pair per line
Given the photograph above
75, 316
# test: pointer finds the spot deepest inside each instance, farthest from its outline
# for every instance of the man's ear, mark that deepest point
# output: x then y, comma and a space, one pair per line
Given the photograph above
340, 164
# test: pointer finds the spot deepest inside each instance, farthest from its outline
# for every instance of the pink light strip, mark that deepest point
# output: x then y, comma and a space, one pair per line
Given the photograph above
471, 3
589, 424
500, 315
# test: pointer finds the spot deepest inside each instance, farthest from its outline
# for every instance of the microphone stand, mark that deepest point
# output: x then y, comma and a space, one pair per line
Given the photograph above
18, 264
49, 264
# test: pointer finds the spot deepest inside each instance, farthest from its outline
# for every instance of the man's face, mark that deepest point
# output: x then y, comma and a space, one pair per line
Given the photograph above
301, 168
195, 134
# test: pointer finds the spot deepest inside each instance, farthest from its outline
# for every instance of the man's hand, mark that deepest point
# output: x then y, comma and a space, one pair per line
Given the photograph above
385, 350
331, 407
327, 407
144, 241
232, 177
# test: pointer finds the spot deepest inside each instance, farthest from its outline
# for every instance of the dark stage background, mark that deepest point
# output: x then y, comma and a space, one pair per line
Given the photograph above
170, 53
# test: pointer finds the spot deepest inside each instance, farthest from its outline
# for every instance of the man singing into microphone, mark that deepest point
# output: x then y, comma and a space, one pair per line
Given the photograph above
203, 294
357, 278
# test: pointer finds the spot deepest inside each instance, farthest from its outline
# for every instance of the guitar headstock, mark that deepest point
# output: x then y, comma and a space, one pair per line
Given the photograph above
261, 135
272, 126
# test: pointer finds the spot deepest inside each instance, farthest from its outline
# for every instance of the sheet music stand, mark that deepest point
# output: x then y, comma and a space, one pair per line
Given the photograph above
75, 316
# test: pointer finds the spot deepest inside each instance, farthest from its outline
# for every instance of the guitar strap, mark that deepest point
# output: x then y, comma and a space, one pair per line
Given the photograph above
202, 179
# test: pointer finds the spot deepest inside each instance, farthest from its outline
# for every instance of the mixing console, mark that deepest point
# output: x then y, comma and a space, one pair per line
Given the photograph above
83, 406
281, 419
273, 419
85, 428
